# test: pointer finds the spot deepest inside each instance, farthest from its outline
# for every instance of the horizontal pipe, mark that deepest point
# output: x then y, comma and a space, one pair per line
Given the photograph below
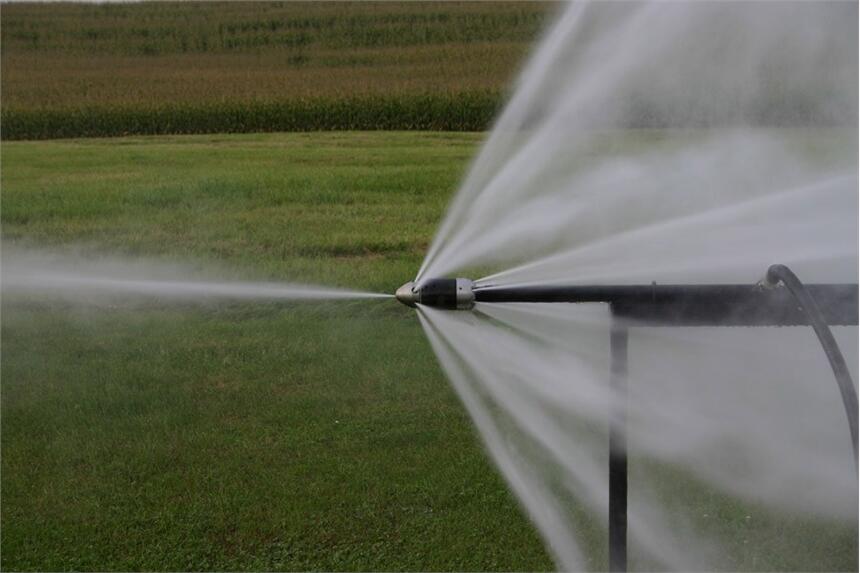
693, 305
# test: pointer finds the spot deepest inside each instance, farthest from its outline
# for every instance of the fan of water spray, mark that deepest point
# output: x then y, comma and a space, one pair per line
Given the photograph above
675, 142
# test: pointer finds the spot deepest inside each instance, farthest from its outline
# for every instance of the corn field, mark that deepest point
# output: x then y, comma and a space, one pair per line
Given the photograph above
114, 69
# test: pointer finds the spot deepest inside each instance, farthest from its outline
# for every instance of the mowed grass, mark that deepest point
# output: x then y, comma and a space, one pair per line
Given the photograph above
173, 67
340, 208
161, 436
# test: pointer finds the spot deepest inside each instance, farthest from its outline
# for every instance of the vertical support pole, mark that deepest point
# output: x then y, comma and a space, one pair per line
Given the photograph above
618, 339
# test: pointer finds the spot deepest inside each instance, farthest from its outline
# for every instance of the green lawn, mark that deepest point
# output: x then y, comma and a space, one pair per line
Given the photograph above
241, 436
147, 435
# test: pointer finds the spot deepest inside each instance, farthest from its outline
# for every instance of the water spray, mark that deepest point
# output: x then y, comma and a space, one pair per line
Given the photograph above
779, 299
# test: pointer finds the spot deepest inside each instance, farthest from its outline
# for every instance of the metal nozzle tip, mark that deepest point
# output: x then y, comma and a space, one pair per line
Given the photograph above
407, 295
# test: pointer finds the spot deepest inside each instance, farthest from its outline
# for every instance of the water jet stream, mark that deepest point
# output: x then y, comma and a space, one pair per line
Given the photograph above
32, 274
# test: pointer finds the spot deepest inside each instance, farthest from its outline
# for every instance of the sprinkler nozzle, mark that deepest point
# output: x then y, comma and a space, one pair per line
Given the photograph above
440, 293
407, 294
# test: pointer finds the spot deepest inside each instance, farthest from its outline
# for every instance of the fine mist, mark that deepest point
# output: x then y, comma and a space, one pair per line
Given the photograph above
676, 142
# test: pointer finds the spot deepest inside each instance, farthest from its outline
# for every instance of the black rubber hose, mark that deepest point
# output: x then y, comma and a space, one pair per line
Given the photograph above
781, 273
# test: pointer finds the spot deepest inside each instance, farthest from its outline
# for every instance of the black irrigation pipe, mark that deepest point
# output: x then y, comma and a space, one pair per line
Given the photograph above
816, 305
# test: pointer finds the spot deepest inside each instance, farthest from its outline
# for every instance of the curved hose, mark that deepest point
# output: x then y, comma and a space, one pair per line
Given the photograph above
781, 273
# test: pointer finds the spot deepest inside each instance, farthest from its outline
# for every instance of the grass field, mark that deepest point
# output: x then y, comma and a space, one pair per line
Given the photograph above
241, 436
116, 69
269, 436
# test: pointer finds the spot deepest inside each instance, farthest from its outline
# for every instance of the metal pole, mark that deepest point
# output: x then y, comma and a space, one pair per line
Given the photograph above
618, 338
